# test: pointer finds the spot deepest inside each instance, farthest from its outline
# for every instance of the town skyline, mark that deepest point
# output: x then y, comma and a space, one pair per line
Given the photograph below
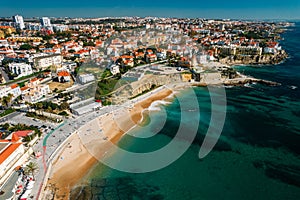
194, 9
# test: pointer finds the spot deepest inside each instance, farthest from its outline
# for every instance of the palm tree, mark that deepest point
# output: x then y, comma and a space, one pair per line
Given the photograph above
31, 168
5, 101
39, 106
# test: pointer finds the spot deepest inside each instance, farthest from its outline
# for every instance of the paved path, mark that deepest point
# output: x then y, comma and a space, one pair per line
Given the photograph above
9, 186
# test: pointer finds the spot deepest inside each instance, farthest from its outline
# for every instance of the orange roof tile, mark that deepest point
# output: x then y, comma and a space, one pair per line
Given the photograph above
13, 86
15, 137
33, 80
63, 73
22, 133
8, 151
24, 88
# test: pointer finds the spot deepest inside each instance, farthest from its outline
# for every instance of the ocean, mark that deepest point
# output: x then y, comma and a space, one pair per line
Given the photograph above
256, 157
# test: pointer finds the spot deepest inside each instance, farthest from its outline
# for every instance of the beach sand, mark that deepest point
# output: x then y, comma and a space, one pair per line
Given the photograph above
75, 160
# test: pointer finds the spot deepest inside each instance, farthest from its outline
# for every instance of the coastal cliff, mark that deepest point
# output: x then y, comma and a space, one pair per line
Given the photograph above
265, 59
147, 83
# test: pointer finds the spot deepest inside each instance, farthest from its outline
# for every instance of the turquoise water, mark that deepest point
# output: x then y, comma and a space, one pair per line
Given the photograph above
256, 157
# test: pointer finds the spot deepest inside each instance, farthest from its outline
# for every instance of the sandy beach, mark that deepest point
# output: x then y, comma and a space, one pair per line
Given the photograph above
75, 160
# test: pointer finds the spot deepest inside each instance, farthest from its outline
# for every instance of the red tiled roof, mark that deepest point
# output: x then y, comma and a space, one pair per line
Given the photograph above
13, 86
8, 151
63, 73
23, 133
24, 88
33, 80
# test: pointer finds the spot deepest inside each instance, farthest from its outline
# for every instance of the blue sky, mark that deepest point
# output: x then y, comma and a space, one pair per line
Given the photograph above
253, 9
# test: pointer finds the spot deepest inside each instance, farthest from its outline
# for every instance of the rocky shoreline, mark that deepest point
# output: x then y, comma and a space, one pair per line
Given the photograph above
266, 59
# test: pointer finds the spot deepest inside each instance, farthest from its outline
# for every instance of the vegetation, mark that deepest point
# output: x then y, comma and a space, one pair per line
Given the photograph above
24, 77
106, 86
7, 112
25, 46
31, 168
21, 127
63, 113
41, 117
50, 106
6, 100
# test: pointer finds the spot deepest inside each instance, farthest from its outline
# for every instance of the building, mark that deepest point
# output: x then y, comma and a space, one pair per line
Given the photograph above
240, 50
13, 89
114, 69
85, 78
63, 76
19, 22
35, 93
45, 61
20, 69
45, 22
11, 152
85, 106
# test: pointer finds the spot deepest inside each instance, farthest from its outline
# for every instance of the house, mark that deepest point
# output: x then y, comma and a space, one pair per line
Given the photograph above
63, 76
272, 47
114, 69
151, 57
15, 90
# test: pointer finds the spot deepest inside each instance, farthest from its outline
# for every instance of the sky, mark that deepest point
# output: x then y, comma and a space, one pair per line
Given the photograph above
235, 9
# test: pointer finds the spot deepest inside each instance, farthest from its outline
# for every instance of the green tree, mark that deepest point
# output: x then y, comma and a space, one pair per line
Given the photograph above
31, 168
64, 106
25, 46
6, 100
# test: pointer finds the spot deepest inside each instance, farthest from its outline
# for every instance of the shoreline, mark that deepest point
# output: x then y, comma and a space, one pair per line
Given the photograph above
73, 152
62, 177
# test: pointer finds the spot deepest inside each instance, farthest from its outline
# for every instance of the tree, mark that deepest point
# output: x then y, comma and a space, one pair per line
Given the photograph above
5, 101
31, 168
64, 106
25, 46
39, 106
6, 126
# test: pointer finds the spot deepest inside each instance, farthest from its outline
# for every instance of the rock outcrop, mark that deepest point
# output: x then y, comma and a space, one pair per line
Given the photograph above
265, 59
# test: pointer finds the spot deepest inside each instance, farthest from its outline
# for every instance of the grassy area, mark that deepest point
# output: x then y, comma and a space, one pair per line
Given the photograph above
60, 86
106, 87
7, 112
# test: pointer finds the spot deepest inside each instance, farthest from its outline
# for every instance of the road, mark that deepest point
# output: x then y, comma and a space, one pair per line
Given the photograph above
53, 139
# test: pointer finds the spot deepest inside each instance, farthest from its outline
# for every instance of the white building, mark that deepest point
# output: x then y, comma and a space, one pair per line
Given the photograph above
60, 27
11, 152
42, 62
20, 69
85, 78
114, 69
19, 22
35, 93
85, 106
45, 22
63, 76
4, 43
13, 89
